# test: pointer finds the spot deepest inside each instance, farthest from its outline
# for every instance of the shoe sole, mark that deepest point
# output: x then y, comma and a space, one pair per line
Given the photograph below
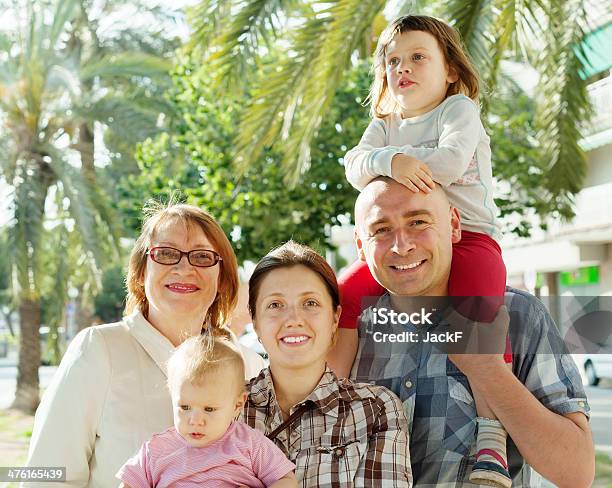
490, 478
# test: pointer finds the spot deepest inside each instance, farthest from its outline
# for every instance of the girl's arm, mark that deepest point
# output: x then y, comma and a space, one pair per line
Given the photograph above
66, 421
461, 132
365, 161
387, 460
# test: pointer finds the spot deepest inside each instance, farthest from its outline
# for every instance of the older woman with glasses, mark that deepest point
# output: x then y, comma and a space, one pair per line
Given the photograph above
109, 394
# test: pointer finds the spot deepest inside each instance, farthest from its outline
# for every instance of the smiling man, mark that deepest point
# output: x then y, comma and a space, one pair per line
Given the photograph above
406, 239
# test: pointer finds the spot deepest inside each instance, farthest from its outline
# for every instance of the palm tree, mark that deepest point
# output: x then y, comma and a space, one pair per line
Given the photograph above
290, 98
59, 77
7, 306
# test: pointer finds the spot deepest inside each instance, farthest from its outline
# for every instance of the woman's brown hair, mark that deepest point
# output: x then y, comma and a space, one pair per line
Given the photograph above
156, 215
288, 255
451, 46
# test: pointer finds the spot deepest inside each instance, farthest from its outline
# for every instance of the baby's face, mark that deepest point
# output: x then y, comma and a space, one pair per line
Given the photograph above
202, 413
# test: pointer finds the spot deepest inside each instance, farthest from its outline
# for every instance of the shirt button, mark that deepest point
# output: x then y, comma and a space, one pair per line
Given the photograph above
408, 384
339, 452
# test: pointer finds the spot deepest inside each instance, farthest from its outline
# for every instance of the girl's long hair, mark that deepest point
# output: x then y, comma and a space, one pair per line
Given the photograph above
451, 46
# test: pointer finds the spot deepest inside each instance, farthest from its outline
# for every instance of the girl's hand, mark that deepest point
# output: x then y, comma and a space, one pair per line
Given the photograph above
412, 173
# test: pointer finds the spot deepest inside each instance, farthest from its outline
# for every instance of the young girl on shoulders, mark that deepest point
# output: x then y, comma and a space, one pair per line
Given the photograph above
426, 130
207, 446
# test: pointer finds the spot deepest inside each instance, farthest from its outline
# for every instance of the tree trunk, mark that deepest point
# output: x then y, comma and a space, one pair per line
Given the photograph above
27, 394
84, 311
86, 149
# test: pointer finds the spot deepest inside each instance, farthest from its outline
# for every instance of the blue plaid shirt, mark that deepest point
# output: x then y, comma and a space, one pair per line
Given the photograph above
438, 400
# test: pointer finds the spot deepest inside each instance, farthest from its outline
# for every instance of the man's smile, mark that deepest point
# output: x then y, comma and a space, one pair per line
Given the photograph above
407, 267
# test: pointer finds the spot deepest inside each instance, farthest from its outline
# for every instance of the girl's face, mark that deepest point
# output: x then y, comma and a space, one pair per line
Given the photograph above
417, 73
295, 317
181, 291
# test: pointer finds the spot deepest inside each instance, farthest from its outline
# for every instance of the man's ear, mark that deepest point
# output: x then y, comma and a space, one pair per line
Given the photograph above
455, 225
359, 243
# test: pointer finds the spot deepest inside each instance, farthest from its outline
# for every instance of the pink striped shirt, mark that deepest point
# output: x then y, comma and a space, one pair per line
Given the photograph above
243, 456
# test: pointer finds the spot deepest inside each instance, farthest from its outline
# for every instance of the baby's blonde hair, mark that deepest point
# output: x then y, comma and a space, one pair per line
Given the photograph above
204, 355
451, 46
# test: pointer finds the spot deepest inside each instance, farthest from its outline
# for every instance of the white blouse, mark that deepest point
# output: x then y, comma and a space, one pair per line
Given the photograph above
107, 397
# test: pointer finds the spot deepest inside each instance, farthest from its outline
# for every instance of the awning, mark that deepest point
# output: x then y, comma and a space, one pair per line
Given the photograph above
597, 46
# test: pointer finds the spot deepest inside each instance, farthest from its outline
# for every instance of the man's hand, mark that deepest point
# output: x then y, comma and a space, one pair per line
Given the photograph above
412, 173
486, 342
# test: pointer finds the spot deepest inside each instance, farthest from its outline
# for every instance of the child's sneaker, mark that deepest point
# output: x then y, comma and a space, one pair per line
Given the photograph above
491, 468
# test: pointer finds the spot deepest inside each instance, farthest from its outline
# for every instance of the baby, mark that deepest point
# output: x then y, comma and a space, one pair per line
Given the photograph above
207, 446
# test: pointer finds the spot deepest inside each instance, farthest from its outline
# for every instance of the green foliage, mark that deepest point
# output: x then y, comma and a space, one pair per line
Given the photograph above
518, 164
557, 115
5, 265
65, 73
257, 210
110, 301
320, 45
7, 303
62, 72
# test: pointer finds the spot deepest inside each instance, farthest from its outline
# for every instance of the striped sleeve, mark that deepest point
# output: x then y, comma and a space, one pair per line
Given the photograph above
136, 472
370, 158
269, 462
387, 460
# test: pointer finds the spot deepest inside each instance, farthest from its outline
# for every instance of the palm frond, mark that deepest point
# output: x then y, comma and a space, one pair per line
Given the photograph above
205, 18
125, 65
93, 232
497, 43
57, 254
473, 20
351, 19
132, 120
529, 25
59, 79
277, 92
65, 11
562, 101
6, 42
238, 44
134, 39
414, 7
33, 182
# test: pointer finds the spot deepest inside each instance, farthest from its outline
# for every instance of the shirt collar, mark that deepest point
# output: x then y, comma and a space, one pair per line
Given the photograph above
326, 395
157, 346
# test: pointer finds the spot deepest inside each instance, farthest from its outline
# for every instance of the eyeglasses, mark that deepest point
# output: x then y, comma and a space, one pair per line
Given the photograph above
202, 258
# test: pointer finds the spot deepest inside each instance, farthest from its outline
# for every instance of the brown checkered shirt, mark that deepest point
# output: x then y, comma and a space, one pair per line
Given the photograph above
353, 434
